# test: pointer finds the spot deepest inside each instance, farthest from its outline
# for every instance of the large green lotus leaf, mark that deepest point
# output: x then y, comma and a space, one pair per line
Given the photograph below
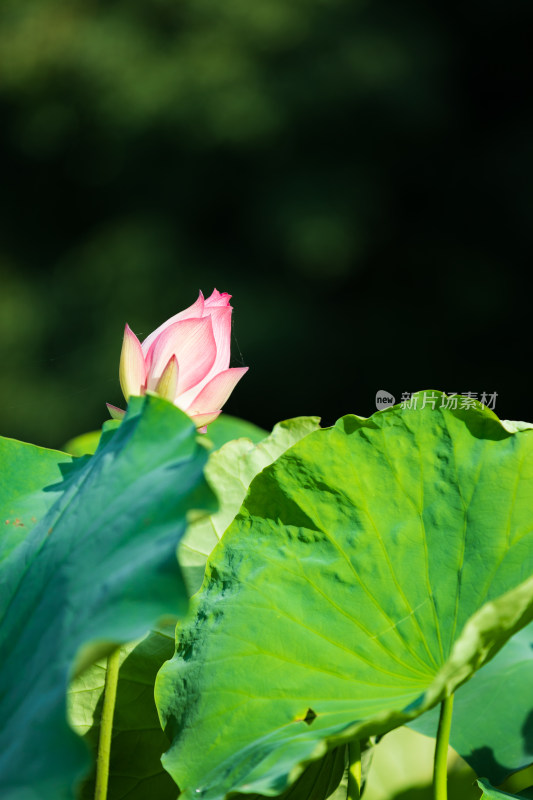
370, 571
135, 769
229, 472
492, 725
139, 742
98, 569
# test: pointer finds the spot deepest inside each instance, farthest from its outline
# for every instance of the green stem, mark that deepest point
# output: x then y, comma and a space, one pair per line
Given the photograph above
440, 772
106, 726
354, 773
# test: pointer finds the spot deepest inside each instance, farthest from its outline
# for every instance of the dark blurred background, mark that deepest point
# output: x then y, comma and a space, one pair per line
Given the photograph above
357, 175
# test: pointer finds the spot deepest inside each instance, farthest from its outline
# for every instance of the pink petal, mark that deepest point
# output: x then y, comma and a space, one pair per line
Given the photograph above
217, 391
196, 311
193, 343
221, 321
218, 299
116, 413
203, 420
132, 371
167, 385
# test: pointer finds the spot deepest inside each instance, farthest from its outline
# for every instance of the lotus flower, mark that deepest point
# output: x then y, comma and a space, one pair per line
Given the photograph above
185, 361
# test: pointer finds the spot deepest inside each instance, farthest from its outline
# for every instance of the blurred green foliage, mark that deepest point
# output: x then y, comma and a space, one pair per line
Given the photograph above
402, 769
356, 174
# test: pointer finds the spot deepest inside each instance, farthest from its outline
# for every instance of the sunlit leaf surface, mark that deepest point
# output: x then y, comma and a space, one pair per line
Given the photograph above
371, 570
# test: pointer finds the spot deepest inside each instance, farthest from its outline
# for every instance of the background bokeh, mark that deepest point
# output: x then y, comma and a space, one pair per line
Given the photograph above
357, 175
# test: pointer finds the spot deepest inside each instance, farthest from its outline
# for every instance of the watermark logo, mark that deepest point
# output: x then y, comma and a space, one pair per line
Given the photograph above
384, 400
452, 400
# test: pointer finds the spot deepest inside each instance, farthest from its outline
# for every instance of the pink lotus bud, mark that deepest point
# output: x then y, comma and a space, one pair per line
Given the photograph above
186, 360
